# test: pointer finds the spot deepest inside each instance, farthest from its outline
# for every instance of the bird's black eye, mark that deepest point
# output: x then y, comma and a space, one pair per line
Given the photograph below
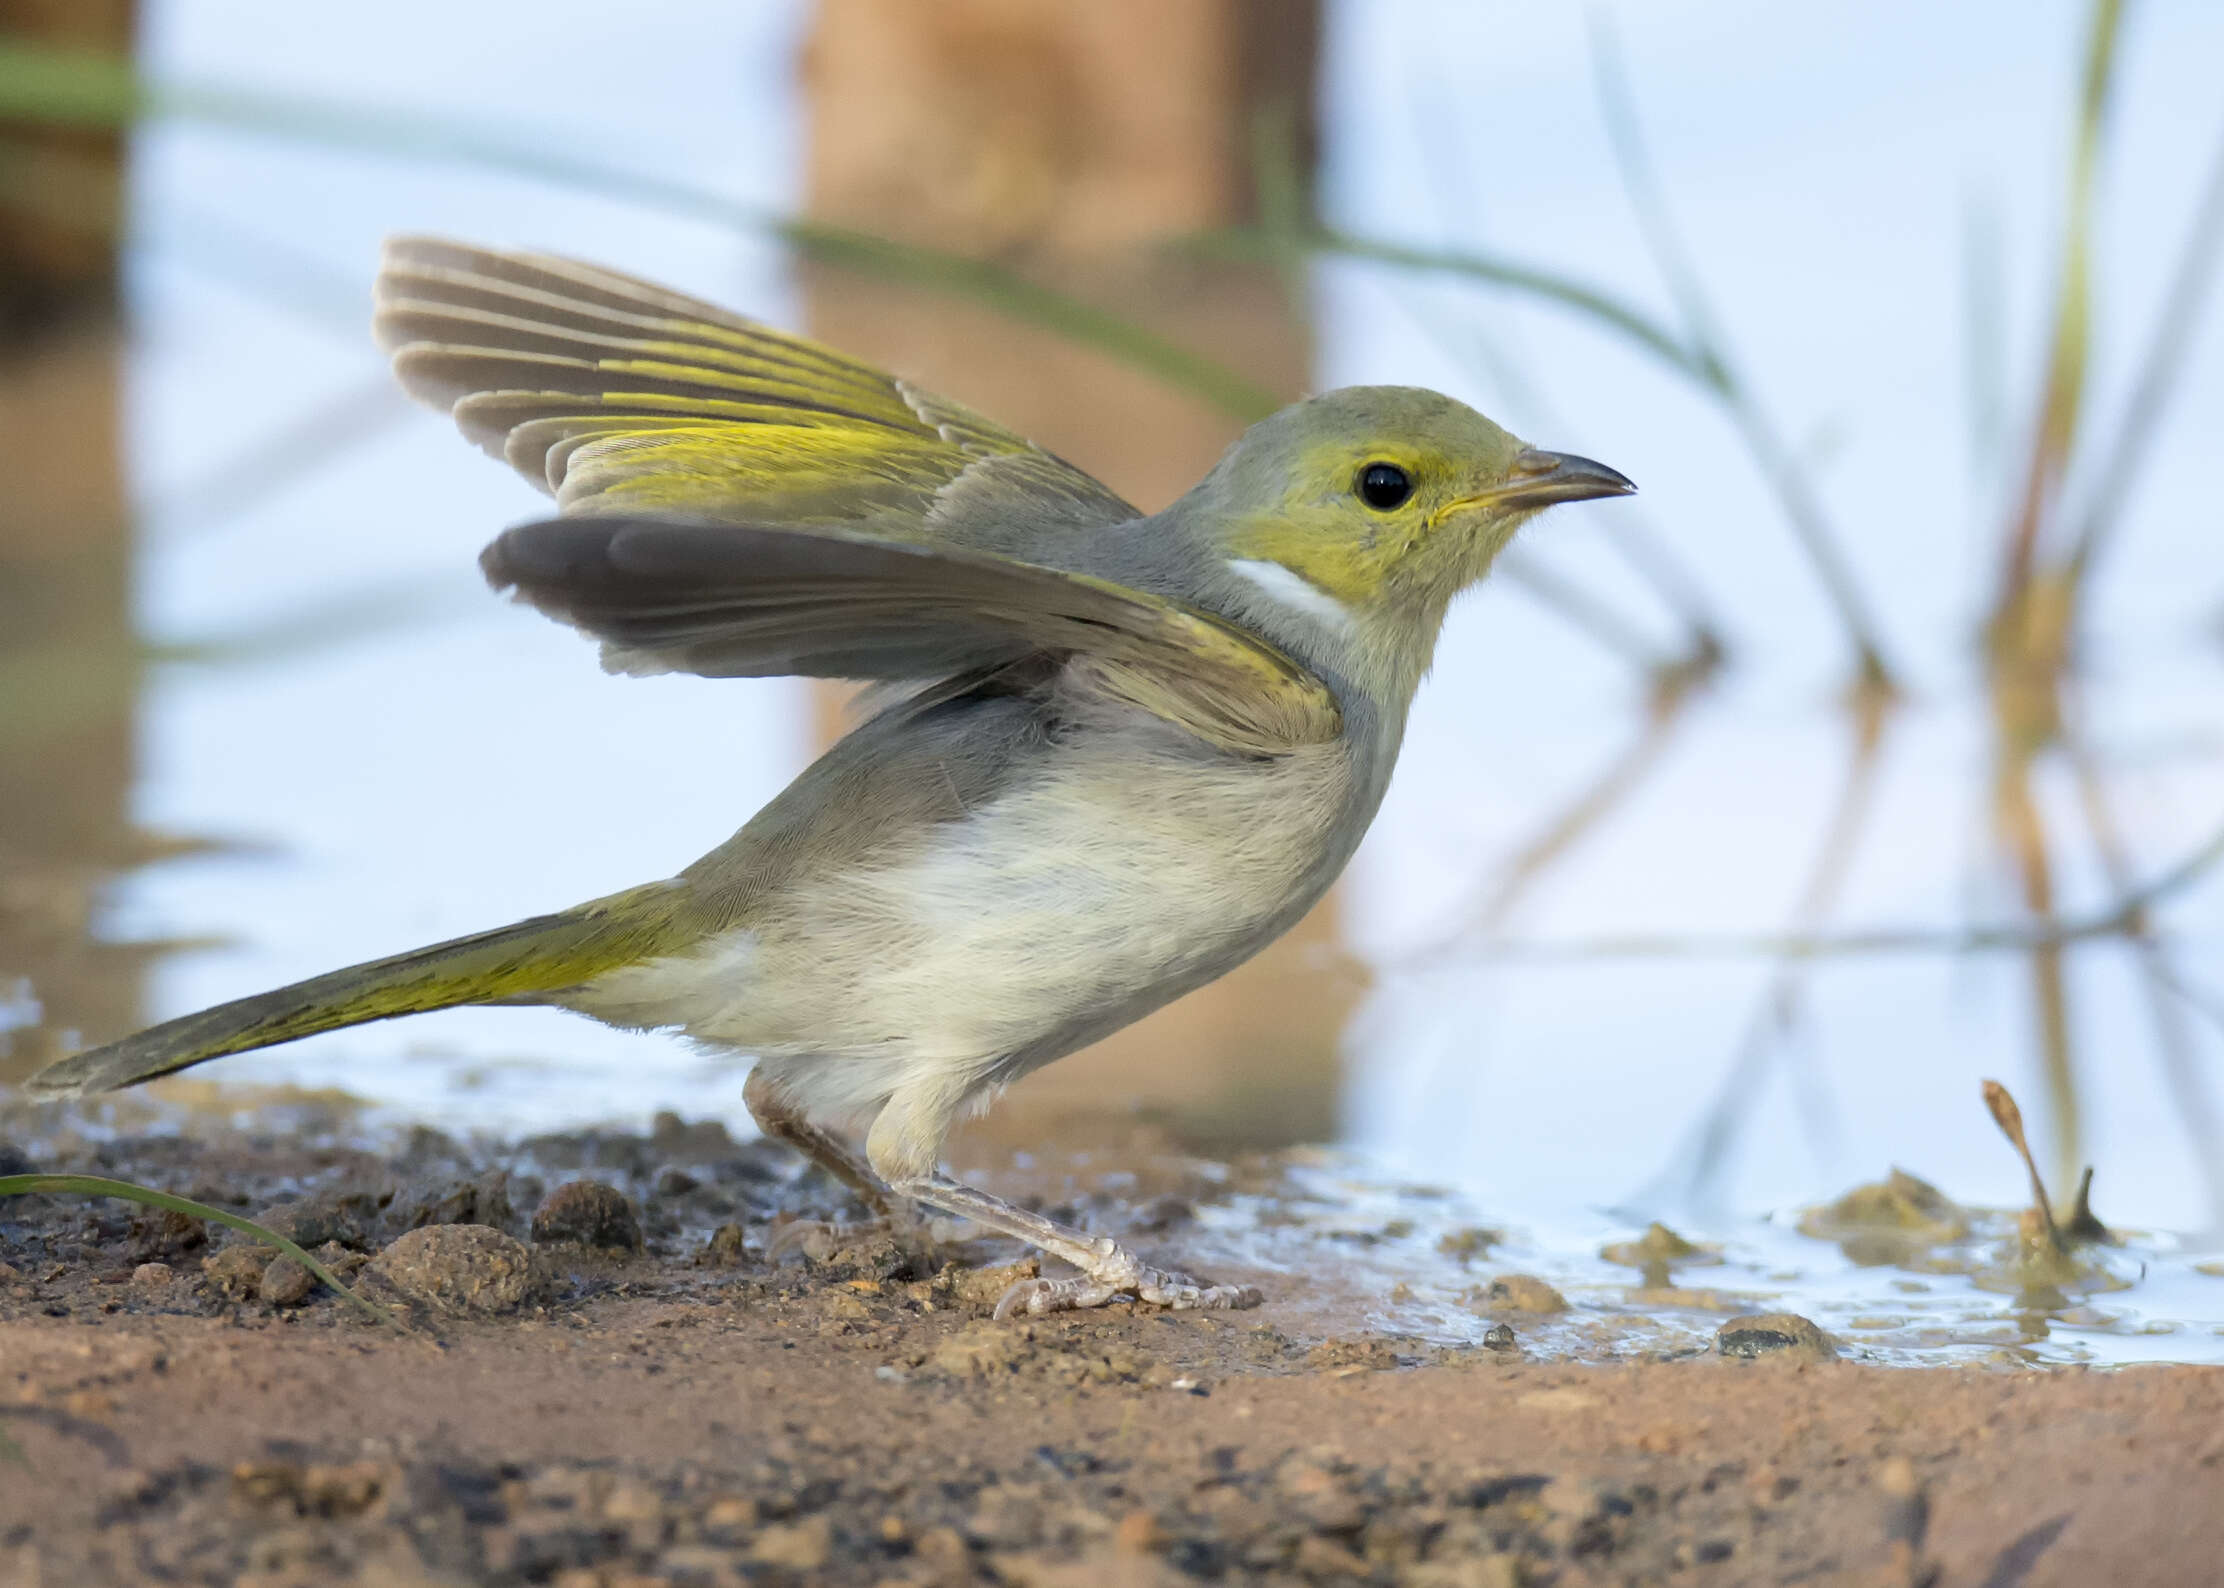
1383, 486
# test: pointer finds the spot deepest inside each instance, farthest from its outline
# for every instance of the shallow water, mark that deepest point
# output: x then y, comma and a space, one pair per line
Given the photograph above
342, 746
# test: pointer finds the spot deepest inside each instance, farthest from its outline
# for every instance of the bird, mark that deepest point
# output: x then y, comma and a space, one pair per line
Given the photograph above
1105, 755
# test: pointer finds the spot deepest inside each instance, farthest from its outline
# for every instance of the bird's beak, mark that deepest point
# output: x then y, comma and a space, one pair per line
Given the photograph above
1541, 478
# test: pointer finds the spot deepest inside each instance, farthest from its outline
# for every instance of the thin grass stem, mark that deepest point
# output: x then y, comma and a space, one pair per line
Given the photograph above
2061, 392
97, 1186
61, 88
1708, 349
2176, 329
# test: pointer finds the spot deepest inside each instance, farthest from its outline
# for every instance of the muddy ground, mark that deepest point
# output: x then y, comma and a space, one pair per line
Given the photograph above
600, 1376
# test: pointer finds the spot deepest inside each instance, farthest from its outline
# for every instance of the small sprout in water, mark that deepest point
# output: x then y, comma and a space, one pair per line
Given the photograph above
1467, 1244
2085, 1224
2042, 1258
2009, 1118
1657, 1251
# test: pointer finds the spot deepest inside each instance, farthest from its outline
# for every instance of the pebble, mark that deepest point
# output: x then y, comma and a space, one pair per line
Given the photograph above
463, 1267
312, 1221
152, 1276
1523, 1293
984, 1287
1763, 1333
726, 1247
285, 1283
588, 1213
236, 1271
797, 1546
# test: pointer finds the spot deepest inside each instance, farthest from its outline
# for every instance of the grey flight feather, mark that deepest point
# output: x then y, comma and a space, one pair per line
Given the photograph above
726, 601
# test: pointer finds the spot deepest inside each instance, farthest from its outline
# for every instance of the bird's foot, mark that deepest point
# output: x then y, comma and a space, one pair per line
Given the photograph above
1118, 1276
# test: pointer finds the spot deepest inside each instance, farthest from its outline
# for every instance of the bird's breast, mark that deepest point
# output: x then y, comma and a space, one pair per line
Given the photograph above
1111, 875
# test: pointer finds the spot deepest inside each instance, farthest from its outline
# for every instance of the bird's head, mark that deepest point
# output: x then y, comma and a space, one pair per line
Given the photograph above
1348, 522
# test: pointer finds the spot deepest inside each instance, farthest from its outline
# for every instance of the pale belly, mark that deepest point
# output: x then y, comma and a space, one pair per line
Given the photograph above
1092, 891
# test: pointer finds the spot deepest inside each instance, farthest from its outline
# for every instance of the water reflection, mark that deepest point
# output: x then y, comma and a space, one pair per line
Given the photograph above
439, 762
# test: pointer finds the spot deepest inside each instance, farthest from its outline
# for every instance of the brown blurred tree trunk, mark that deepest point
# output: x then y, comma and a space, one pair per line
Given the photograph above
69, 659
1068, 138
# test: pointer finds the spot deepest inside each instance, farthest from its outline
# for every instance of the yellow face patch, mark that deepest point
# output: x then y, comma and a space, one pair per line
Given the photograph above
1343, 526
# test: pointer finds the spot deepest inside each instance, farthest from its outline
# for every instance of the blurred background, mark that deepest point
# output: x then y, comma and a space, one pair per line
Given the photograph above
1878, 747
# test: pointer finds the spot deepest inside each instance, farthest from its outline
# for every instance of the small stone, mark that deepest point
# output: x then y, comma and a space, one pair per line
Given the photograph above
464, 1267
445, 1199
798, 1546
985, 1287
1321, 1557
979, 1353
1004, 1519
1761, 1333
1500, 1337
285, 1283
1360, 1354
632, 1502
1476, 1571
1523, 1293
725, 1247
1321, 1498
588, 1213
151, 1276
942, 1551
165, 1232
734, 1512
1138, 1534
236, 1272
343, 1216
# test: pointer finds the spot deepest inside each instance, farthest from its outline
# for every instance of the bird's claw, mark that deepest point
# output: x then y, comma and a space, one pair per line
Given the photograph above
1034, 1297
1183, 1294
1179, 1292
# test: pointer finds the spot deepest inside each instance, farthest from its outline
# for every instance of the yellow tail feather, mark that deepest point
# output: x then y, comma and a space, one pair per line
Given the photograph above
509, 964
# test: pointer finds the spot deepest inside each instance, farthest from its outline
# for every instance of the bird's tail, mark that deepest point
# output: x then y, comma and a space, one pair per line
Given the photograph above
509, 964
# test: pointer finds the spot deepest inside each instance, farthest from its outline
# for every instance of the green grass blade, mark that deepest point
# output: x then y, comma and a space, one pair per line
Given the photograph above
68, 89
1779, 461
2069, 338
2175, 333
96, 1186
1569, 292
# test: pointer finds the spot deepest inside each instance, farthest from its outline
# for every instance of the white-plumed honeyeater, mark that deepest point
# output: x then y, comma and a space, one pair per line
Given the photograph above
1119, 752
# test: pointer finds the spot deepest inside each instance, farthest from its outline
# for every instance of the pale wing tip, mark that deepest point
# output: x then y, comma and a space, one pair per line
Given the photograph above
425, 251
60, 1081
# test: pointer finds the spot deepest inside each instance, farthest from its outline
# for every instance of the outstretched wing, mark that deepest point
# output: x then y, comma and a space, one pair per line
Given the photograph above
615, 395
731, 600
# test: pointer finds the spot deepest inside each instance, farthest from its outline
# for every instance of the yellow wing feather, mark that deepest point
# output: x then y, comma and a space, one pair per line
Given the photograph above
630, 404
616, 395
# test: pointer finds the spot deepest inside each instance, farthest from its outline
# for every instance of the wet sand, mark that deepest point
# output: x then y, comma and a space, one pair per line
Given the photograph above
618, 1386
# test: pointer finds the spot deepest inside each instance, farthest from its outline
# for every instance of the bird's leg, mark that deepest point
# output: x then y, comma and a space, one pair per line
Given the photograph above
1108, 1269
783, 1121
905, 1146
